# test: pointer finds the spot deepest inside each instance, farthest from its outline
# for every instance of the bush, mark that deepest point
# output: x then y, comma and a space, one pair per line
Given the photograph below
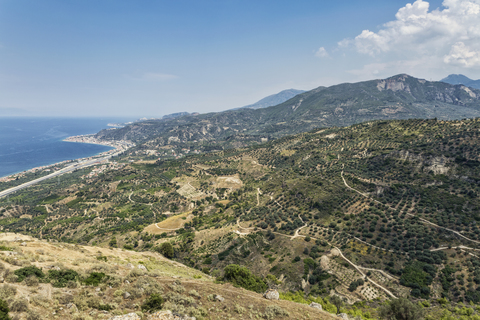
7, 291
401, 309
273, 312
94, 279
62, 277
22, 273
153, 303
32, 315
31, 281
4, 310
20, 305
166, 249
242, 277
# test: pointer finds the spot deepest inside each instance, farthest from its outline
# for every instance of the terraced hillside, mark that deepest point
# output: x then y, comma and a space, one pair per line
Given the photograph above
380, 209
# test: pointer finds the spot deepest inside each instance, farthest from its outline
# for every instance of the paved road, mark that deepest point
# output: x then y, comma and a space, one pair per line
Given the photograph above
67, 169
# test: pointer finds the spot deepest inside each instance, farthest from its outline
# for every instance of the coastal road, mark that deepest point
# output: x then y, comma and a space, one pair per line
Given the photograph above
67, 169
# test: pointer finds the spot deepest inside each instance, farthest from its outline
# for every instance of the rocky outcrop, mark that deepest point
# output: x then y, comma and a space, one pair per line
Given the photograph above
168, 315
316, 305
271, 294
130, 316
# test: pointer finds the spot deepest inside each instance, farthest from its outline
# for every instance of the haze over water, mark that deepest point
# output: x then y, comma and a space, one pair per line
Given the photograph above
26, 143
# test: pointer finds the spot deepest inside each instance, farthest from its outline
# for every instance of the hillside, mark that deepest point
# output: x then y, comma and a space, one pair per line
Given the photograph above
461, 79
398, 97
84, 282
368, 212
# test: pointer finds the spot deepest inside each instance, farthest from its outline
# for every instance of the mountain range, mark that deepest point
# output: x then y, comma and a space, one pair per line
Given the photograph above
461, 79
397, 97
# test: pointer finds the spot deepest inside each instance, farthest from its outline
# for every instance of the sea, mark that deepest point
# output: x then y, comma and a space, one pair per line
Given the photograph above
26, 143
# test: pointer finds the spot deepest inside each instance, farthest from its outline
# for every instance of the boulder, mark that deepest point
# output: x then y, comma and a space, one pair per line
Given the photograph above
168, 315
130, 316
316, 305
142, 267
126, 295
219, 298
344, 316
271, 294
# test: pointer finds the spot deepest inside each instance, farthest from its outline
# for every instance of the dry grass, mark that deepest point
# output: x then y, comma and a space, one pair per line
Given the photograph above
184, 289
170, 224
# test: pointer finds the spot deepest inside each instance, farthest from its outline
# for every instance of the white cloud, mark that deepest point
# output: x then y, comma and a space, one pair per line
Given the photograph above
322, 53
449, 35
463, 56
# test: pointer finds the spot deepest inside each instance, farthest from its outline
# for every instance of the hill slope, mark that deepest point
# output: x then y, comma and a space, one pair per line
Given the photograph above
124, 280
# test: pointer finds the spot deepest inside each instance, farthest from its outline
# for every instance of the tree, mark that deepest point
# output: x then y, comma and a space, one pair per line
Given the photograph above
166, 249
401, 309
337, 302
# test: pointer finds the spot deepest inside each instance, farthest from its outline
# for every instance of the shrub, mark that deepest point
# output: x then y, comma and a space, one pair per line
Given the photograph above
22, 273
31, 281
7, 291
32, 315
4, 310
62, 277
243, 277
94, 279
153, 303
274, 311
401, 309
19, 305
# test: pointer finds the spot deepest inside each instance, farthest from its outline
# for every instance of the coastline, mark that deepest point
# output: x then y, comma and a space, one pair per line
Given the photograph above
117, 147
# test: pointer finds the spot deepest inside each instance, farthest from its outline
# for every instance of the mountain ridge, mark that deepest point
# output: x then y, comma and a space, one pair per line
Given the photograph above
461, 79
397, 97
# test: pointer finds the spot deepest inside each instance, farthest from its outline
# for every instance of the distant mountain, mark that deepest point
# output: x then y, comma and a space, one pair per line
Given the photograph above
398, 97
274, 99
461, 79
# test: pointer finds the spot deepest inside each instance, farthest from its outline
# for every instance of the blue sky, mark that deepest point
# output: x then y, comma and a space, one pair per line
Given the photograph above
150, 58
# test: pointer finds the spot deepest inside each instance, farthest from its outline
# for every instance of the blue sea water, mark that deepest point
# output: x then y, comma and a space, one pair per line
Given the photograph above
26, 143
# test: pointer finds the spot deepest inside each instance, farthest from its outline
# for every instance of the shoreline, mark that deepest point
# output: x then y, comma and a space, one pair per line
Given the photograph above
117, 147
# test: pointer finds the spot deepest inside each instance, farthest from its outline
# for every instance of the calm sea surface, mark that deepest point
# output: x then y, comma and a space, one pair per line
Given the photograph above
26, 143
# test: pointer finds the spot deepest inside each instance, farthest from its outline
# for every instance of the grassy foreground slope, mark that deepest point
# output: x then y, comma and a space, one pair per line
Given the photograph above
125, 281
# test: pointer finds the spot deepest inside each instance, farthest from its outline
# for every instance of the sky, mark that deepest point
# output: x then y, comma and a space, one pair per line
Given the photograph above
151, 58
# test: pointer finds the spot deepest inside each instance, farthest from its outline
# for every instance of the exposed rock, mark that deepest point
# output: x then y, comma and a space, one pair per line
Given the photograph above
23, 244
316, 305
127, 282
130, 316
271, 294
142, 267
219, 298
126, 295
343, 316
130, 266
168, 315
72, 306
52, 267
